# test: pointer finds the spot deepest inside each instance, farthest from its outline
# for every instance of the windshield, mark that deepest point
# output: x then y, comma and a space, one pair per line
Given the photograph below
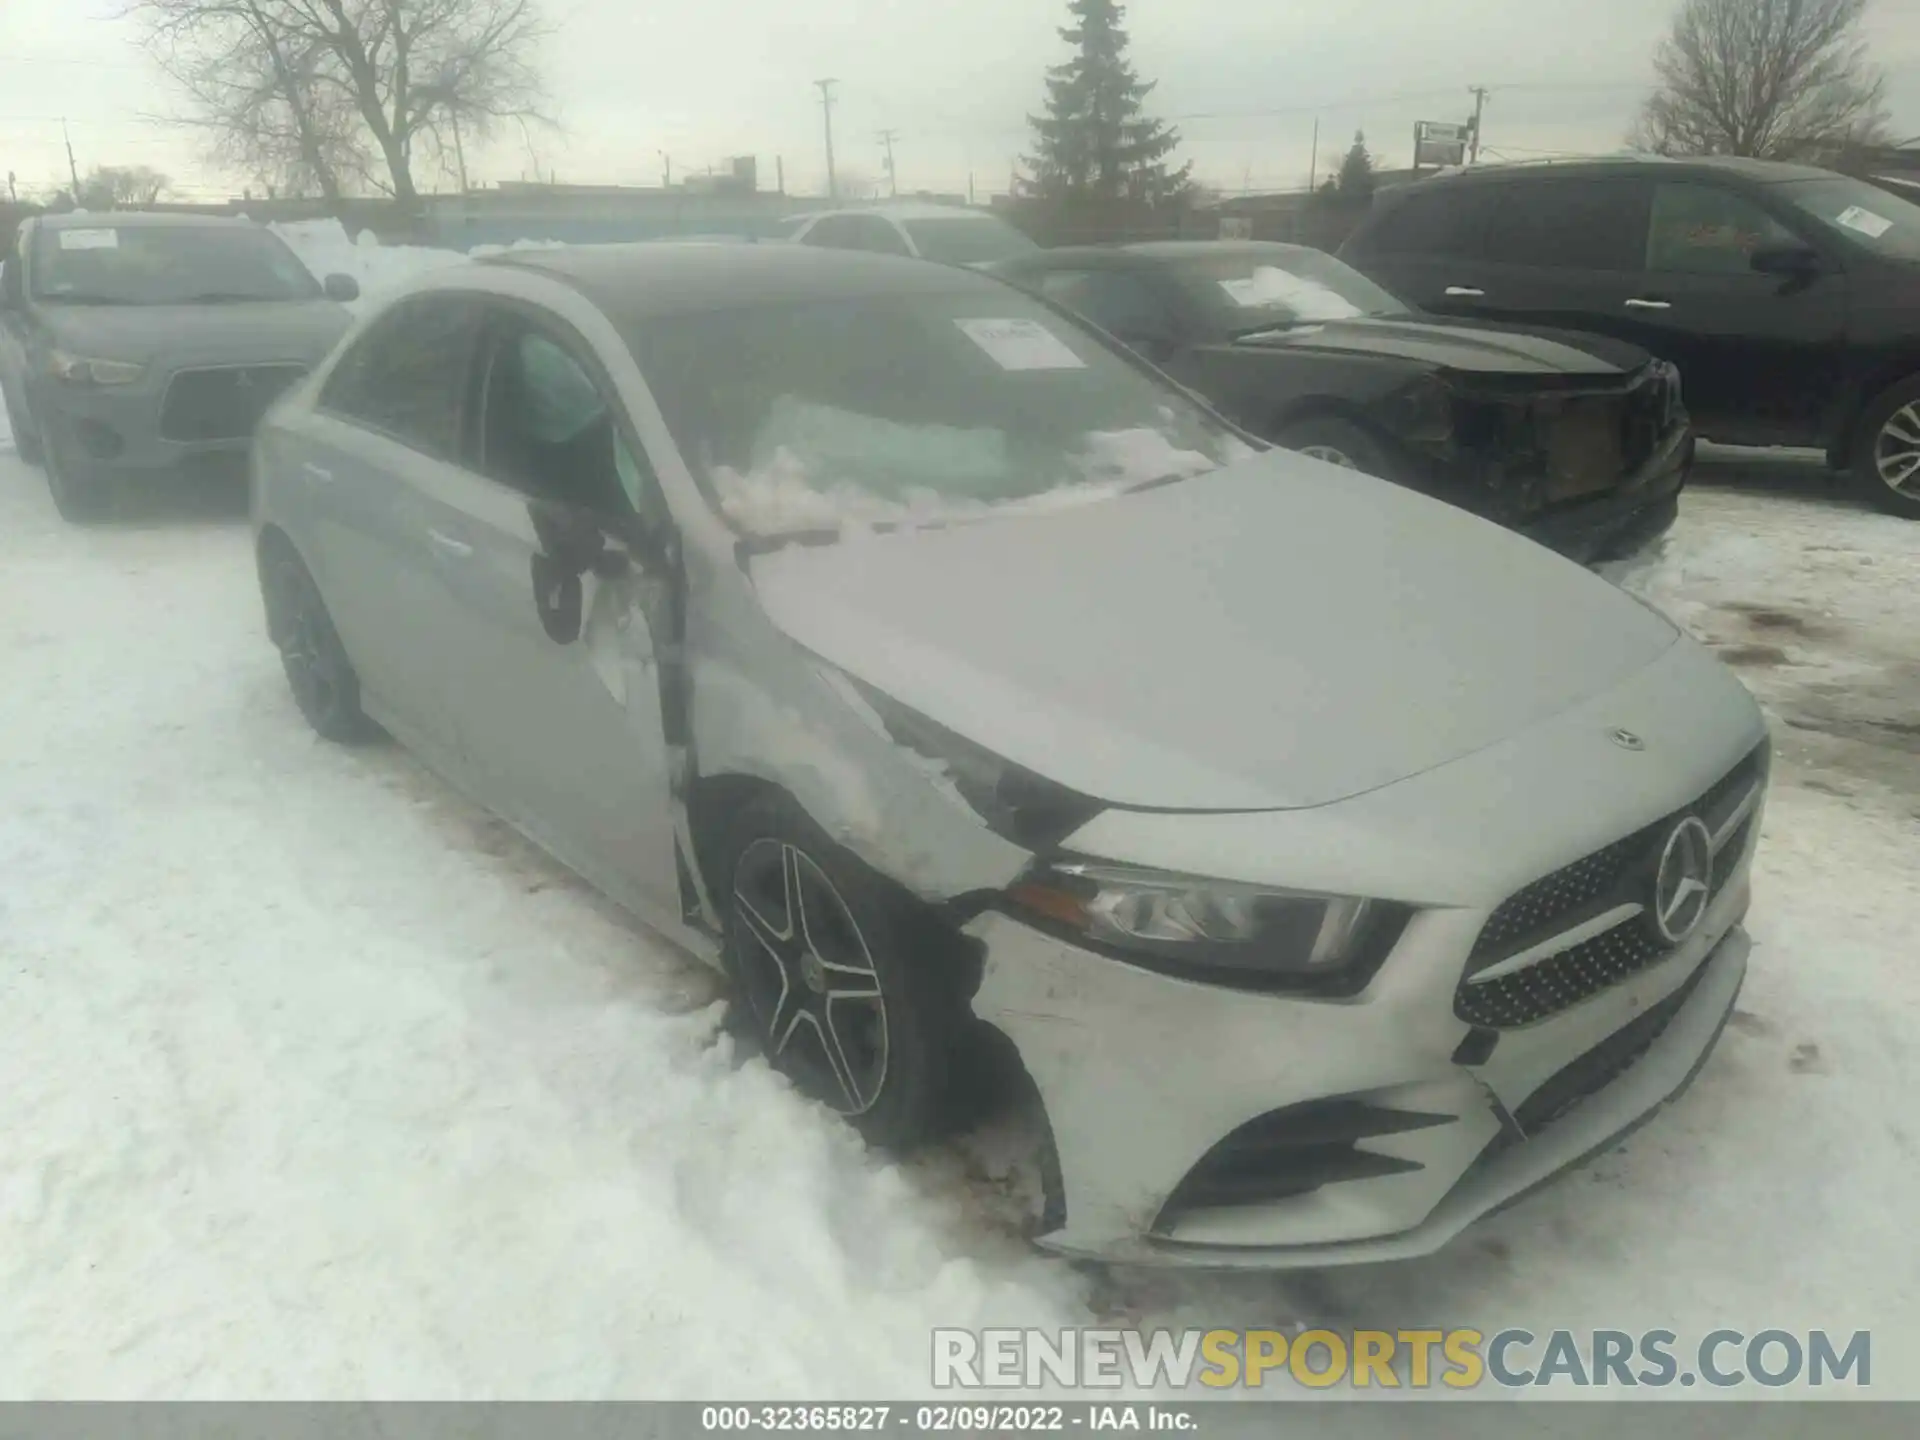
966, 240
1274, 287
166, 265
1862, 213
827, 416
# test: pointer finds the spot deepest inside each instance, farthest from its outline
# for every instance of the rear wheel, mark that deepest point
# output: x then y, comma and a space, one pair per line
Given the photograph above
839, 977
1338, 442
318, 672
1886, 453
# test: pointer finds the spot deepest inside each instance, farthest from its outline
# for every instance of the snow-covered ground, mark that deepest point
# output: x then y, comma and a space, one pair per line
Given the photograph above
319, 1083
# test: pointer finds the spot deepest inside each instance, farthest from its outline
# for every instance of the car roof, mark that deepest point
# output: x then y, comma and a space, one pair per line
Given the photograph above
1760, 172
658, 277
123, 219
1151, 250
912, 210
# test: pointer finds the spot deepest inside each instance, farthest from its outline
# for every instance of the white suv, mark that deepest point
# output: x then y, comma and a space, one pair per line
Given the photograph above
947, 234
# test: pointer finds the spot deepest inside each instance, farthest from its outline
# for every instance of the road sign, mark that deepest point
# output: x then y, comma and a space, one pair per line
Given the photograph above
1436, 143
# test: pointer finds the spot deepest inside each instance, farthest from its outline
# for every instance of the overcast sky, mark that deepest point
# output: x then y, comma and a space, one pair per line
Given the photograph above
1245, 79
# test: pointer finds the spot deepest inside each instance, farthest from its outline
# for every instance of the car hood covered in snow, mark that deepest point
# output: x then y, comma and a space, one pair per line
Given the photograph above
1274, 635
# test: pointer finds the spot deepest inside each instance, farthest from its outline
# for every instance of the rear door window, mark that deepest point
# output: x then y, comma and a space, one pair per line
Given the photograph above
407, 376
1447, 221
1572, 224
1705, 230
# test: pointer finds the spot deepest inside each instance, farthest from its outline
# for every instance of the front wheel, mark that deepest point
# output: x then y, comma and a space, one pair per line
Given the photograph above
839, 977
1338, 442
80, 491
1886, 454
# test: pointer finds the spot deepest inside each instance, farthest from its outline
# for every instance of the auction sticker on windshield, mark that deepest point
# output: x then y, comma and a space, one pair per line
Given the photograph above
1021, 345
1855, 217
89, 239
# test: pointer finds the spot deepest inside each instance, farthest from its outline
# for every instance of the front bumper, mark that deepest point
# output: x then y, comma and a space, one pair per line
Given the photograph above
120, 429
1619, 524
1148, 1079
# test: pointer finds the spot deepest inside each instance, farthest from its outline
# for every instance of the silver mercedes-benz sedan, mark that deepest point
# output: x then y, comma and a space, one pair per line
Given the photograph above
1334, 866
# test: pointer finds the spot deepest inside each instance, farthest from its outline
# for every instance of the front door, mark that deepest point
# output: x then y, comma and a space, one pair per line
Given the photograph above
1761, 357
566, 736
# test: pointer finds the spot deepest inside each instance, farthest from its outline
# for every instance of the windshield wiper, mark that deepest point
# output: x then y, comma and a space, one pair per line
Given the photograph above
81, 297
224, 297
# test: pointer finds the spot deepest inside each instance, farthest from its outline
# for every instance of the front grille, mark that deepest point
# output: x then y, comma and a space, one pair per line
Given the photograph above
1580, 893
1292, 1152
1592, 443
224, 403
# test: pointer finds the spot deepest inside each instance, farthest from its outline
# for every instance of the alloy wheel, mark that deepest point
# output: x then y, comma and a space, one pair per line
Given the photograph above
1896, 452
809, 977
1330, 454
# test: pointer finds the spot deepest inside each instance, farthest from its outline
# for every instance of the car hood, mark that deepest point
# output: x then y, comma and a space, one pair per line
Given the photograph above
302, 330
1463, 346
1278, 634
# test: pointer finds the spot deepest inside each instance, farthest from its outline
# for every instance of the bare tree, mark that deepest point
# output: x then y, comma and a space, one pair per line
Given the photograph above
1767, 79
108, 187
346, 95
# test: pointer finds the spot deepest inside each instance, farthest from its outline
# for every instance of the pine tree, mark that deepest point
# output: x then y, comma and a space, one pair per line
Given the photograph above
1096, 142
1356, 171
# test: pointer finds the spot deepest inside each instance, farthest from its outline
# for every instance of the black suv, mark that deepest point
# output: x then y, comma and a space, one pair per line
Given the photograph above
1789, 297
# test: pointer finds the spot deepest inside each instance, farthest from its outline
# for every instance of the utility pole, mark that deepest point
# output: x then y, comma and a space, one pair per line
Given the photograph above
1479, 93
826, 105
780, 173
887, 137
73, 169
1313, 168
666, 170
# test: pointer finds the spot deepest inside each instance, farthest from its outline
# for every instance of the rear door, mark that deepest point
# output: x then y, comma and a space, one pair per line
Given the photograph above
386, 430
1566, 253
1429, 247
1762, 358
566, 737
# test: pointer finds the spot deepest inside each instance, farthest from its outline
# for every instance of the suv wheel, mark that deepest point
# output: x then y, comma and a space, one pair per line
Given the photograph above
1886, 454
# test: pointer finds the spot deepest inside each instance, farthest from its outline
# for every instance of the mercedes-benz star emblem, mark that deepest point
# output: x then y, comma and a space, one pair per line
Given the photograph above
1682, 885
1626, 740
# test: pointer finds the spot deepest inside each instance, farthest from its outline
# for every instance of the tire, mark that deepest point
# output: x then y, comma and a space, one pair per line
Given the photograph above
81, 493
846, 995
26, 446
318, 671
1339, 442
1886, 451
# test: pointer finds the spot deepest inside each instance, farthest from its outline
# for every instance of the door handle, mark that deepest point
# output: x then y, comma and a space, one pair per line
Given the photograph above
444, 544
317, 473
1649, 305
1465, 292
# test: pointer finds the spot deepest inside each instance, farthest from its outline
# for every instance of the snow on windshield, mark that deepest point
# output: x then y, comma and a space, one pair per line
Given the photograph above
816, 467
1269, 286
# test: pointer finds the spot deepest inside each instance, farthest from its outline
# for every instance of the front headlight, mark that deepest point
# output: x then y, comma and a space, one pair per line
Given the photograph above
1219, 930
81, 370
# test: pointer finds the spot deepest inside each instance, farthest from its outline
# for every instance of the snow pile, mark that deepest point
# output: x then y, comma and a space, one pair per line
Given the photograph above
817, 467
326, 249
1270, 286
